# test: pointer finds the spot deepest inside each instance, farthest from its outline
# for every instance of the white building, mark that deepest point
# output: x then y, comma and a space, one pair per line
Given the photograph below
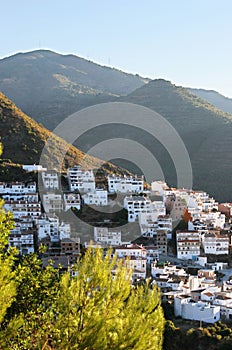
126, 184
158, 209
98, 197
29, 197
21, 208
52, 202
48, 226
149, 228
106, 236
209, 205
34, 167
214, 243
64, 230
224, 300
167, 270
158, 187
72, 200
152, 253
135, 205
23, 240
188, 244
80, 180
135, 257
213, 220
137, 265
17, 187
198, 225
50, 180
131, 250
199, 311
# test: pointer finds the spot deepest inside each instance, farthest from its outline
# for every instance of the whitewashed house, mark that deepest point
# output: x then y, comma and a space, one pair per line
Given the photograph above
52, 202
125, 184
131, 250
227, 286
158, 187
214, 243
152, 253
214, 220
21, 208
33, 167
136, 205
98, 197
188, 309
156, 211
64, 230
29, 197
107, 237
48, 226
50, 180
17, 187
209, 205
137, 265
188, 244
23, 240
198, 225
80, 180
72, 200
224, 300
149, 228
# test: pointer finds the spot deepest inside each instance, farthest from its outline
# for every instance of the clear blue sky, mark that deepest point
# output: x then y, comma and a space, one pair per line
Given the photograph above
186, 41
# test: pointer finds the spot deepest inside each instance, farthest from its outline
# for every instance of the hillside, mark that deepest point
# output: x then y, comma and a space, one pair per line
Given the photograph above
23, 141
213, 97
48, 86
205, 130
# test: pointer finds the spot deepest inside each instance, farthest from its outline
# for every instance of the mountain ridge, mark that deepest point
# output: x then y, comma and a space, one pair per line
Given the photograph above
41, 82
215, 98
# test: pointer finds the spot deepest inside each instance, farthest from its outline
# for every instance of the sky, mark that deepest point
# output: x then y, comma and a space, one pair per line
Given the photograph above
185, 41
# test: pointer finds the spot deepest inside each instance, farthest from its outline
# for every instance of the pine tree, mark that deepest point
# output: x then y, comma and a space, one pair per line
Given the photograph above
99, 310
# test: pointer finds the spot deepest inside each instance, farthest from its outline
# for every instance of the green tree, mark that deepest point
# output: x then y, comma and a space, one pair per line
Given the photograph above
7, 284
30, 315
97, 309
101, 310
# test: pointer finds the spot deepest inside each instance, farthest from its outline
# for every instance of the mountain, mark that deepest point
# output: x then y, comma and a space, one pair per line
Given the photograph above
213, 97
23, 141
50, 87
47, 85
205, 130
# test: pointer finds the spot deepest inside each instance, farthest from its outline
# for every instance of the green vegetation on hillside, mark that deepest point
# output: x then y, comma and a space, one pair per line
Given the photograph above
212, 337
49, 86
214, 98
23, 141
205, 131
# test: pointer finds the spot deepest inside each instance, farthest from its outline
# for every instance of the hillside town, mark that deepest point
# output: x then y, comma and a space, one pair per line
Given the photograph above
183, 246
